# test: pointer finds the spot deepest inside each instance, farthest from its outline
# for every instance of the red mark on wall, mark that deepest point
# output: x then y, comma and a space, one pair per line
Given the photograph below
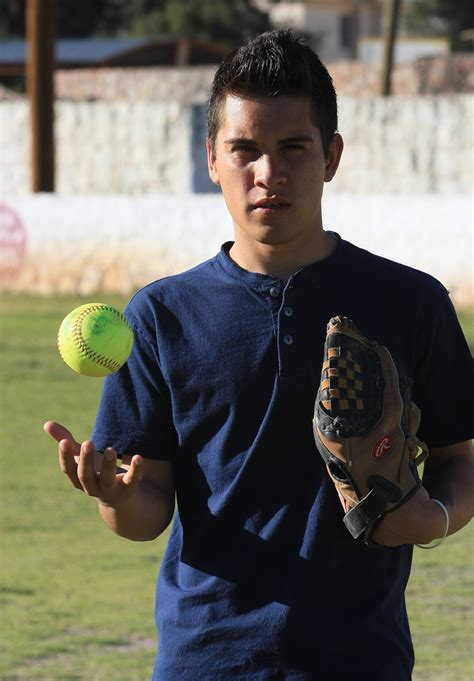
12, 243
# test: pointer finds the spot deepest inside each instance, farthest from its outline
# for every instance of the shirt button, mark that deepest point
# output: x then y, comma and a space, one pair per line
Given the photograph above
288, 340
274, 292
288, 311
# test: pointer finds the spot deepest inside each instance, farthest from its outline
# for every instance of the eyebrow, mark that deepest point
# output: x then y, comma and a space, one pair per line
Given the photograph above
286, 140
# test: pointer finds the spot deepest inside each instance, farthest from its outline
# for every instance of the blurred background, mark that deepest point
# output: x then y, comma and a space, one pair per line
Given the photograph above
103, 122
104, 187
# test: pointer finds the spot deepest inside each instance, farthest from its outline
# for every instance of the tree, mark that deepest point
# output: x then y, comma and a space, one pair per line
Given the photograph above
226, 21
459, 17
73, 19
229, 23
12, 18
441, 17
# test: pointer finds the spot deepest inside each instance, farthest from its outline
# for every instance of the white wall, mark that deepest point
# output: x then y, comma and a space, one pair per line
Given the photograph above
115, 243
371, 50
102, 147
400, 144
124, 213
412, 145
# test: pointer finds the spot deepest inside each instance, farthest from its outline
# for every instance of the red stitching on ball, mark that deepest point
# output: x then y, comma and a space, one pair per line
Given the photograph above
82, 345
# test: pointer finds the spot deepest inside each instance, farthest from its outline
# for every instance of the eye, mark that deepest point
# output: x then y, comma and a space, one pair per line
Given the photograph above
244, 148
293, 147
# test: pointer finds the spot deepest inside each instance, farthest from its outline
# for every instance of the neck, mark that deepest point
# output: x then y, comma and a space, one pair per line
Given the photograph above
281, 260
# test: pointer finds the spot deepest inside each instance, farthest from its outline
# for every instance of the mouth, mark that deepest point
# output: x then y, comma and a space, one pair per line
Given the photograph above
270, 205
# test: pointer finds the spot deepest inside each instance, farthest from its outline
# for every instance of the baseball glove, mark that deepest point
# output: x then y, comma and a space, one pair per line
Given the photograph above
365, 428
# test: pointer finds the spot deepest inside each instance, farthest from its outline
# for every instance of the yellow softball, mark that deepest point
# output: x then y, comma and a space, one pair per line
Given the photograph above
95, 339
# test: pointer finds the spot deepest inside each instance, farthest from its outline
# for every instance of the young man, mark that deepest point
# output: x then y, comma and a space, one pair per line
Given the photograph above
261, 580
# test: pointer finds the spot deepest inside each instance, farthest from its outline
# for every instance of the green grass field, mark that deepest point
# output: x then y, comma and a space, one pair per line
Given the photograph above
77, 601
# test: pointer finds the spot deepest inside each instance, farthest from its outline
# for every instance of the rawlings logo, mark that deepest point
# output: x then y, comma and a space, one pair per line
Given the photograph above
382, 447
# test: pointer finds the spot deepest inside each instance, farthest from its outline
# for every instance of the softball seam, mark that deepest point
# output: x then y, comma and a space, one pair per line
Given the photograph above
84, 347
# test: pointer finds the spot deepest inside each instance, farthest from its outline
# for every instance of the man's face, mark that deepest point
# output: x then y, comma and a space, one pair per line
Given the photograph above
269, 161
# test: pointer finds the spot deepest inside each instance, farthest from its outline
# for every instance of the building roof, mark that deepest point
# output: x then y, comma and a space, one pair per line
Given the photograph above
95, 52
72, 51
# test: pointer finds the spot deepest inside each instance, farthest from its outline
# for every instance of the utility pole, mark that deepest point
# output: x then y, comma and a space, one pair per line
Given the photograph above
392, 17
40, 33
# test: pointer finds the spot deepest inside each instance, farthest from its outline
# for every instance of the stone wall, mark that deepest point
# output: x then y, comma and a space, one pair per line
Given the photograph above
443, 74
130, 159
123, 147
160, 83
407, 145
411, 145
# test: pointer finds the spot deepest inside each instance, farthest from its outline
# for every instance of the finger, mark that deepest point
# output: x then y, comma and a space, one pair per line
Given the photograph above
67, 461
134, 473
86, 469
59, 432
108, 471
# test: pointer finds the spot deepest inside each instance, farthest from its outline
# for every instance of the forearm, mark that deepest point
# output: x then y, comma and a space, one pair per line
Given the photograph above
452, 482
448, 477
142, 517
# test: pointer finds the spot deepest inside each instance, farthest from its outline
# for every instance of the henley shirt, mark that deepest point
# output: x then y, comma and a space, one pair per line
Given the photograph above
260, 579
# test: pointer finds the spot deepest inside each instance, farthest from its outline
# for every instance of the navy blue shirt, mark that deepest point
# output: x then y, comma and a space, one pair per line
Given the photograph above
260, 579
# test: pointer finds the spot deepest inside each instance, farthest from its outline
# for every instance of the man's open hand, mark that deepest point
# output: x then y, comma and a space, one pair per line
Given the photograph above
93, 472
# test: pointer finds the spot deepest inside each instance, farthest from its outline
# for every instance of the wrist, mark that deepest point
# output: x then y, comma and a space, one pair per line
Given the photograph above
440, 524
116, 505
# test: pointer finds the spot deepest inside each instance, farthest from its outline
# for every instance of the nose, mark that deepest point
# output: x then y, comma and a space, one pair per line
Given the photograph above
269, 171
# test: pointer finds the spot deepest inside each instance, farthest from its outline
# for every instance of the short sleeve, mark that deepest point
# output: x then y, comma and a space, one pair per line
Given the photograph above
444, 380
135, 415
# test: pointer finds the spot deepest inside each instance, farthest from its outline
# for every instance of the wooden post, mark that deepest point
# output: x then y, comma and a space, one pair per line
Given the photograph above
40, 32
183, 52
390, 34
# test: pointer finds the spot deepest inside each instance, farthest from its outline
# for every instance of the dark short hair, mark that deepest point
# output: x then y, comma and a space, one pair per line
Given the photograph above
272, 64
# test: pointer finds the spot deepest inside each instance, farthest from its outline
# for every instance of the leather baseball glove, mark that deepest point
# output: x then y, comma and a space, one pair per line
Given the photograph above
365, 428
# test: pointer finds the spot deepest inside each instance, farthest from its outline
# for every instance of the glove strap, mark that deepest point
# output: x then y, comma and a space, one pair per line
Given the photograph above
365, 513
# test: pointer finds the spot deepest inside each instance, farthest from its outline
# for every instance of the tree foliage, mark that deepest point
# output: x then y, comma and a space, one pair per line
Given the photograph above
73, 19
441, 17
207, 20
226, 21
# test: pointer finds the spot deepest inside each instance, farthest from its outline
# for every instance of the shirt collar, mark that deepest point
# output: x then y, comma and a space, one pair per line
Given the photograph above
260, 282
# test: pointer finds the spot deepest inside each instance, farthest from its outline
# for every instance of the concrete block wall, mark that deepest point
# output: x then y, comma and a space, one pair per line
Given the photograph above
409, 145
15, 171
122, 147
134, 201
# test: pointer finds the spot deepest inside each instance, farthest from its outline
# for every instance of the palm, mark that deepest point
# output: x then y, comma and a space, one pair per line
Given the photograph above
93, 472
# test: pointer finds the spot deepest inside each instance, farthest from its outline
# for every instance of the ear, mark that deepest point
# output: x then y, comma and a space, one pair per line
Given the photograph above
211, 163
334, 156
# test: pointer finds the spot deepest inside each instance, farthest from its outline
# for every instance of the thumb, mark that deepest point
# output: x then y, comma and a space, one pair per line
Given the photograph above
59, 433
